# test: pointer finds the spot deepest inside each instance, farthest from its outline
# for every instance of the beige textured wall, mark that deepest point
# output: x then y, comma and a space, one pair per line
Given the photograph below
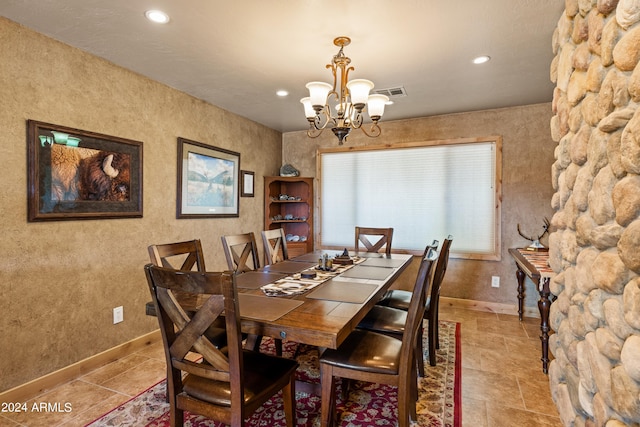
526, 191
59, 281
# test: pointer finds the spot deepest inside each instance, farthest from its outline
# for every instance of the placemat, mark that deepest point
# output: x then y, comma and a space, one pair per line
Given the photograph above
368, 272
313, 256
289, 266
356, 293
256, 279
383, 262
265, 308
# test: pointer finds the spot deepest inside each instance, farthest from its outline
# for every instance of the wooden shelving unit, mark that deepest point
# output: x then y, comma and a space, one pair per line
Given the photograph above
288, 204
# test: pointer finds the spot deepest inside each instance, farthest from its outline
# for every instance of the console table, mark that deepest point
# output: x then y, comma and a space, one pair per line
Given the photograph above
534, 264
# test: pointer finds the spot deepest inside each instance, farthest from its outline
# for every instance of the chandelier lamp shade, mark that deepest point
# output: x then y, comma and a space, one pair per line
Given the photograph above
350, 99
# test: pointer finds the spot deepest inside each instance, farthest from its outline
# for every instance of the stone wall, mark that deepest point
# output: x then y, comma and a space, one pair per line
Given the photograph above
595, 377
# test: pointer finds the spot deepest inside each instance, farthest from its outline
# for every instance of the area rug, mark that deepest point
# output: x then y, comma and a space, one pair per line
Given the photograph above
367, 404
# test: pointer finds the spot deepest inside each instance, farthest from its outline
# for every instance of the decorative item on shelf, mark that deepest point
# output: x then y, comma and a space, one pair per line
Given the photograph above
535, 242
289, 198
350, 97
288, 170
343, 258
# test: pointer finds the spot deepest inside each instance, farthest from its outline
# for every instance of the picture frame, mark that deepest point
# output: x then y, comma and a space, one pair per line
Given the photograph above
248, 183
75, 174
208, 181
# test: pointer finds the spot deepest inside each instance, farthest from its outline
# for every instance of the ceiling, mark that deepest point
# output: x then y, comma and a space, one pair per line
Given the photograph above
237, 54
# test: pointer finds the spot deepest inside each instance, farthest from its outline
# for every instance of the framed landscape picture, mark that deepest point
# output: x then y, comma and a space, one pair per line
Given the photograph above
208, 181
75, 174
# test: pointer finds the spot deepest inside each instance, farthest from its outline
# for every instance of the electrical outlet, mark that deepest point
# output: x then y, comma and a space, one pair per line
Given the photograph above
495, 281
118, 315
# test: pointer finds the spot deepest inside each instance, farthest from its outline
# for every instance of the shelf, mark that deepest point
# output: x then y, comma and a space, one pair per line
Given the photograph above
301, 189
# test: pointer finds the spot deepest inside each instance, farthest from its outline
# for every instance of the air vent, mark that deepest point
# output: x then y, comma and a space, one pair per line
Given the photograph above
392, 92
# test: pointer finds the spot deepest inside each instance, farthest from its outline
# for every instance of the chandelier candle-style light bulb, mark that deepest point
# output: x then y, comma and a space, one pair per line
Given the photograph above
318, 92
376, 106
351, 99
309, 112
359, 91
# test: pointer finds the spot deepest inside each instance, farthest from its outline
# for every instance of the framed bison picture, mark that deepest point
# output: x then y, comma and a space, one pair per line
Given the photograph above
208, 181
76, 174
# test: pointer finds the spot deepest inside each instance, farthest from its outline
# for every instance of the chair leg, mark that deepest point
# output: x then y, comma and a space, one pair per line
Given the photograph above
346, 388
176, 418
404, 400
289, 398
436, 321
413, 398
254, 341
327, 396
419, 350
433, 336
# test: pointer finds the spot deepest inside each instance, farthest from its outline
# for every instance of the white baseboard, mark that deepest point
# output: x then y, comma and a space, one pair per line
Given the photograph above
39, 385
491, 307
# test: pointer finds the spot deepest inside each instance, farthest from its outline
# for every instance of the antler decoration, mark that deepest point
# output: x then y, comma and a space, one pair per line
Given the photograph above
536, 241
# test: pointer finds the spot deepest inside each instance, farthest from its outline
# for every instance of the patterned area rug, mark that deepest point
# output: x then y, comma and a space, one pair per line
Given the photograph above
367, 404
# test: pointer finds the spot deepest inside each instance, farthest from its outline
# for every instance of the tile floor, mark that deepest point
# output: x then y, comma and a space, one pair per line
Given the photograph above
502, 380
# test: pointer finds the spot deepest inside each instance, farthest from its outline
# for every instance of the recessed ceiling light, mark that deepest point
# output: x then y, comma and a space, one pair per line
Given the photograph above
282, 93
157, 16
481, 59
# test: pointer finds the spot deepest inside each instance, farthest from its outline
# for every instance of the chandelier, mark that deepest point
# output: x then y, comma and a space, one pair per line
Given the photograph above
350, 97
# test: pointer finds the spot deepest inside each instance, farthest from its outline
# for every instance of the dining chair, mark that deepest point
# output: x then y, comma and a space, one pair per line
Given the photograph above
226, 386
399, 299
179, 256
378, 358
185, 256
275, 246
241, 252
391, 321
381, 236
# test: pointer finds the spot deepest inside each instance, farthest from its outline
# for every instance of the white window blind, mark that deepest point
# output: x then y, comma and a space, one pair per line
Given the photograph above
423, 192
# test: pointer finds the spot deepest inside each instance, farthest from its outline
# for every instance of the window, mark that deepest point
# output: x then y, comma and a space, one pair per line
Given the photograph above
424, 191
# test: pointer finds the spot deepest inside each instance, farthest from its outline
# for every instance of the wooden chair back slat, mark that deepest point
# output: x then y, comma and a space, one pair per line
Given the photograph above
275, 246
185, 256
241, 252
383, 237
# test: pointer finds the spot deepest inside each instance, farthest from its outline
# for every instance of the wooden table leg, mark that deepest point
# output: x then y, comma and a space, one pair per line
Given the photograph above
520, 276
543, 305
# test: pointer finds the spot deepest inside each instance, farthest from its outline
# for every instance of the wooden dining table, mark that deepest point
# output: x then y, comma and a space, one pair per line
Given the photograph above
325, 315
